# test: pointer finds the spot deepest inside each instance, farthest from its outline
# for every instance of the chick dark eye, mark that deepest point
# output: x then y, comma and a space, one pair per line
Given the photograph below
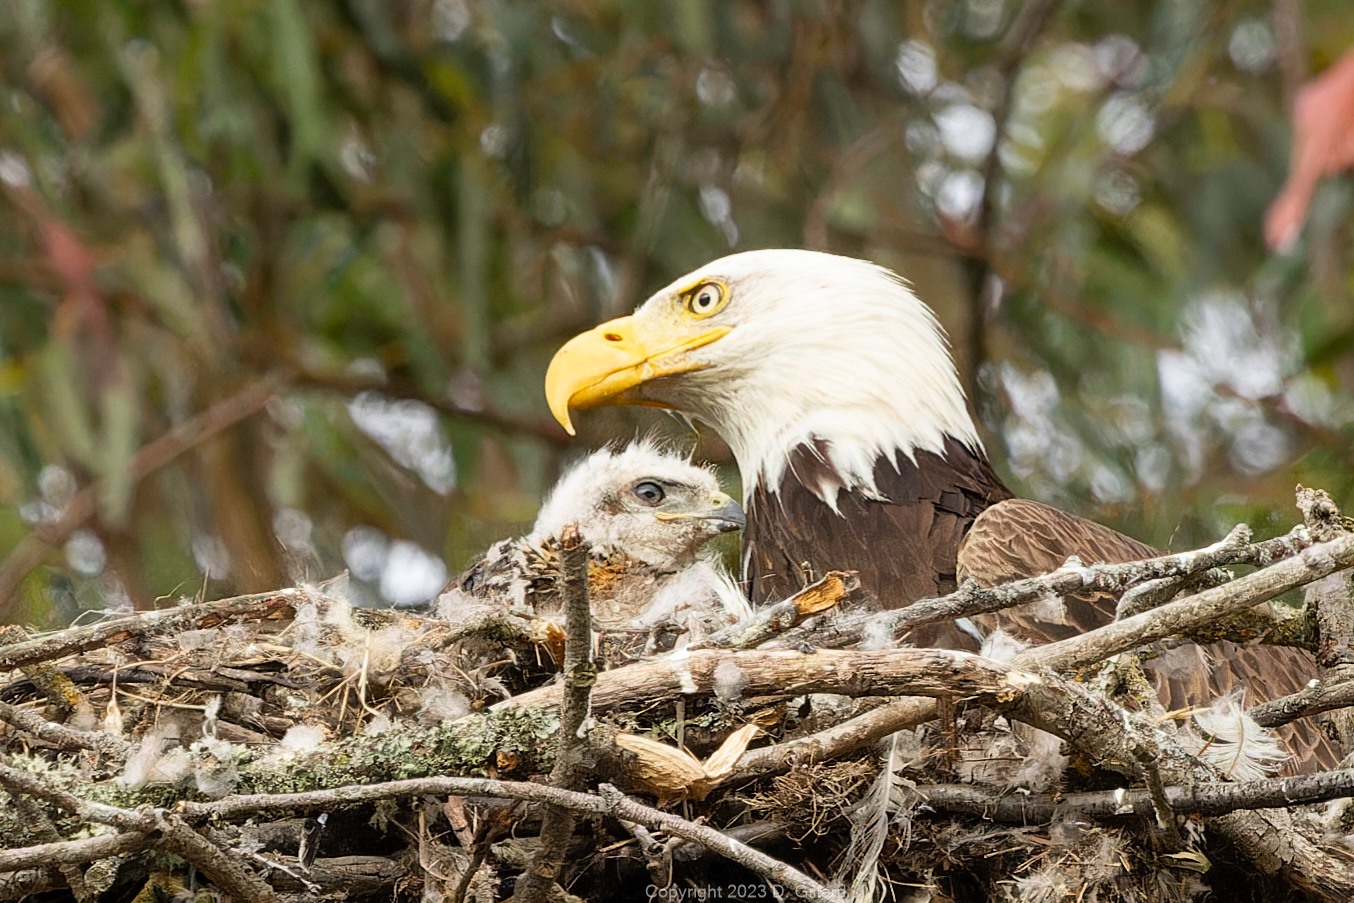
649, 492
705, 300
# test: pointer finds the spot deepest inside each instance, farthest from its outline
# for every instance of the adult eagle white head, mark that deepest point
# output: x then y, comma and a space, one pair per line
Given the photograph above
834, 386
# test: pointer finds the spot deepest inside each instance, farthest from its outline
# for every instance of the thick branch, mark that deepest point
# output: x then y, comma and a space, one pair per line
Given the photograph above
817, 597
838, 740
899, 672
279, 605
63, 737
1309, 701
90, 849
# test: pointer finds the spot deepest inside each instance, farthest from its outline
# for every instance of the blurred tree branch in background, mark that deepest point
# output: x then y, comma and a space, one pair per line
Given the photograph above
278, 283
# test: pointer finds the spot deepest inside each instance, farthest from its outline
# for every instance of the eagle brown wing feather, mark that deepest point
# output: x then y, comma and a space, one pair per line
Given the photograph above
1018, 538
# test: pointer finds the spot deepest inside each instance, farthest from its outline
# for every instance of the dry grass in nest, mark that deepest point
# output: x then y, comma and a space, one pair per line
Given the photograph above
813, 798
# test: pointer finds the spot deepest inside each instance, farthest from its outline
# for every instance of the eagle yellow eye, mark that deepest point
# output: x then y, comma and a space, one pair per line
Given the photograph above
706, 299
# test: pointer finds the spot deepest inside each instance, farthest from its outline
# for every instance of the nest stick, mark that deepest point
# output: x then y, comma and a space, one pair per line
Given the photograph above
557, 824
970, 600
610, 803
277, 605
1201, 799
170, 831
62, 737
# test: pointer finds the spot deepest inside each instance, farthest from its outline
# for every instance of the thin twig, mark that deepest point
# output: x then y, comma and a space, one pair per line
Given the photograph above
657, 856
1201, 799
970, 600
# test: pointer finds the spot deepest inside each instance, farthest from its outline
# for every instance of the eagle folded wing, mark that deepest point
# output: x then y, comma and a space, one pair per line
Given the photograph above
1018, 538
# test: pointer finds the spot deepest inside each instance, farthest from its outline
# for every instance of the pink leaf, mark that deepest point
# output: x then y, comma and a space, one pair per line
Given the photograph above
1323, 144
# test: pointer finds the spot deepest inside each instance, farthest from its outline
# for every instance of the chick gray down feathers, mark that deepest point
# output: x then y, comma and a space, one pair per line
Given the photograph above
647, 515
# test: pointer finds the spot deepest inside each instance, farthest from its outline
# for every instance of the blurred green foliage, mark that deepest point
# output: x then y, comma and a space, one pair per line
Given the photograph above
279, 281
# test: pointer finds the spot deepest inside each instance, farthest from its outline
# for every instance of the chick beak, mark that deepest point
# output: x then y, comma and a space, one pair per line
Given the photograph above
726, 514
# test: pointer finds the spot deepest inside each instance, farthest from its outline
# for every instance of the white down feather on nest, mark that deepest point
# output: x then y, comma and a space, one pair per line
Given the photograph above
1230, 740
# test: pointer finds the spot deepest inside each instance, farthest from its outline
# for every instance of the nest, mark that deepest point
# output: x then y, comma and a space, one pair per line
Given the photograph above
288, 746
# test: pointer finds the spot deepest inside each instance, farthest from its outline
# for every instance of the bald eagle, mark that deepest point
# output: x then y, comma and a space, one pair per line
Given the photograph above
834, 386
647, 516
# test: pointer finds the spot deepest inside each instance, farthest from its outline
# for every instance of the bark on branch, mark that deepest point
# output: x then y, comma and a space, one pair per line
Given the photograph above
970, 600
557, 824
609, 802
1201, 799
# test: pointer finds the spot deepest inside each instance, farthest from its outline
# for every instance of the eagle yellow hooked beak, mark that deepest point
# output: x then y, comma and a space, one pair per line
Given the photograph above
606, 365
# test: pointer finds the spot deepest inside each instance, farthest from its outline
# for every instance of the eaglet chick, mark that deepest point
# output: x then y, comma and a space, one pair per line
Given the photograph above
646, 515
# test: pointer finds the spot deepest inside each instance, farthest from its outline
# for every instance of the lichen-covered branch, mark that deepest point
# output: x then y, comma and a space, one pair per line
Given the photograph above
168, 832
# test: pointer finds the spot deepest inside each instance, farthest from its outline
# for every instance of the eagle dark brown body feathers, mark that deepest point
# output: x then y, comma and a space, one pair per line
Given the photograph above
941, 519
903, 542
